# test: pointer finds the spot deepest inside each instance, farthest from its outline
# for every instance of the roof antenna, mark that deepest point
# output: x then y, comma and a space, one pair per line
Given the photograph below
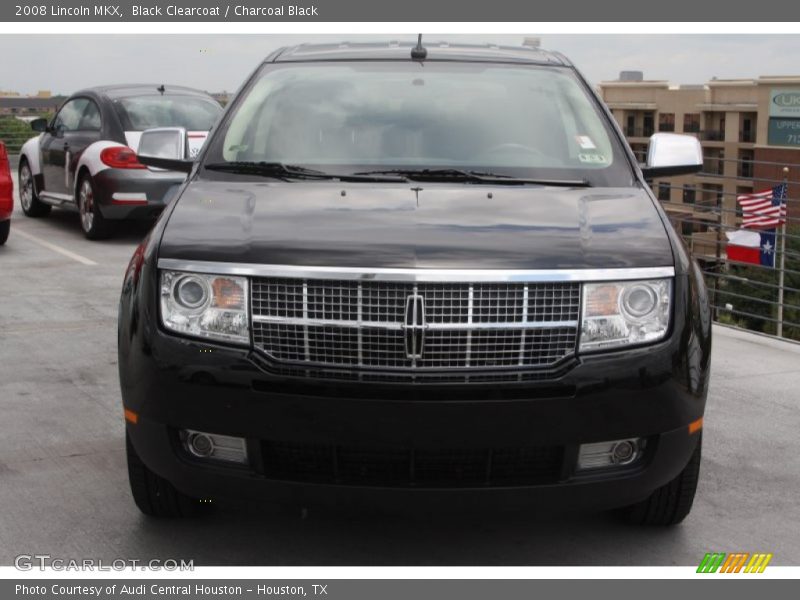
419, 52
161, 89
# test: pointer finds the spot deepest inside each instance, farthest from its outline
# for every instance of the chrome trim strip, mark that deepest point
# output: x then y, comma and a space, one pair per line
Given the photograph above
415, 275
525, 320
470, 314
397, 326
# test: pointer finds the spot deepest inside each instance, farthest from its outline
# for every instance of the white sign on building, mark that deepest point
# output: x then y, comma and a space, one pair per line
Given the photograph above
784, 103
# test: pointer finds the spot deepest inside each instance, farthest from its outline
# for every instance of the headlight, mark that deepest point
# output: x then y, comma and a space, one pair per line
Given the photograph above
624, 313
209, 306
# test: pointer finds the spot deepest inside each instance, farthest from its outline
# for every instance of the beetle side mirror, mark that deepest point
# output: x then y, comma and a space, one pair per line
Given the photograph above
39, 125
164, 148
672, 154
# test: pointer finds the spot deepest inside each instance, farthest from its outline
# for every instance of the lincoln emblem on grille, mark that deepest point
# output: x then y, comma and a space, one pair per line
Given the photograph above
414, 326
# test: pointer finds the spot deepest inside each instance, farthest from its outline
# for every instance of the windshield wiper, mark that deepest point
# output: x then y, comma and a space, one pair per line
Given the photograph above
474, 177
284, 171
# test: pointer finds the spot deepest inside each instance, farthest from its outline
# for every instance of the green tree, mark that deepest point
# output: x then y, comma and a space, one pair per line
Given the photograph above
14, 132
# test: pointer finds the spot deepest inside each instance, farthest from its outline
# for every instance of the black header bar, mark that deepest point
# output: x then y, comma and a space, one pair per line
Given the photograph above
711, 11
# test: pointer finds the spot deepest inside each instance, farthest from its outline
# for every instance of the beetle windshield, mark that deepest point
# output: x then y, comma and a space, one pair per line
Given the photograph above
346, 117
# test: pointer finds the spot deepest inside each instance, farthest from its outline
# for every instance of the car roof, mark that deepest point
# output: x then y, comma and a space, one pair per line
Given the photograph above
442, 51
140, 89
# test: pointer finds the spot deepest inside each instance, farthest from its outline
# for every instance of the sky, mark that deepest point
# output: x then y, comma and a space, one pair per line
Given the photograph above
66, 63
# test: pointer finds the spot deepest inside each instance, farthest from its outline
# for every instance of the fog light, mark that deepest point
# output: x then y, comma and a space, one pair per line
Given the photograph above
215, 446
200, 445
624, 452
615, 453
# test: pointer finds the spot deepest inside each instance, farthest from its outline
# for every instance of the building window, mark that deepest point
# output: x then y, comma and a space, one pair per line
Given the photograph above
648, 128
691, 122
714, 162
748, 130
630, 126
689, 194
664, 191
666, 121
640, 152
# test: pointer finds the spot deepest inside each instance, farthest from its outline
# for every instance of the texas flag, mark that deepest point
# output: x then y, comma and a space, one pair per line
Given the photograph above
754, 247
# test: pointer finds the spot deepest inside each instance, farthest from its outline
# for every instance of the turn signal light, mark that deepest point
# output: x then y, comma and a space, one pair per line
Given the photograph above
695, 426
120, 157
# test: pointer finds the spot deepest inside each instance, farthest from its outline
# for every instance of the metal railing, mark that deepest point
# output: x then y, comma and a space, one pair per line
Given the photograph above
644, 132
752, 296
747, 136
713, 135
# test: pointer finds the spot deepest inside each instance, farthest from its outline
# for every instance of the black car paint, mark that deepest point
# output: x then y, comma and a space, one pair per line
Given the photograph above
441, 226
55, 144
653, 391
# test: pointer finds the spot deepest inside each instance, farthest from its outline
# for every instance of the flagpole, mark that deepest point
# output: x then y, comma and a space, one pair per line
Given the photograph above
783, 255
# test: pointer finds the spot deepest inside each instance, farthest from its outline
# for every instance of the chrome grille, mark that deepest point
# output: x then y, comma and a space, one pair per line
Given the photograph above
365, 325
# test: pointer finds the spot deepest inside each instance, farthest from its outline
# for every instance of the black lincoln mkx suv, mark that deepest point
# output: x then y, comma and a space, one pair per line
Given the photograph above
417, 274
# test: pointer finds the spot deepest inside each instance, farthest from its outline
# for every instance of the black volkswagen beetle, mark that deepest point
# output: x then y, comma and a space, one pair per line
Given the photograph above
416, 275
84, 158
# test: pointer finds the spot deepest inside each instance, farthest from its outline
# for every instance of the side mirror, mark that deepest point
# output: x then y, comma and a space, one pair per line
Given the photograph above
672, 154
164, 148
39, 125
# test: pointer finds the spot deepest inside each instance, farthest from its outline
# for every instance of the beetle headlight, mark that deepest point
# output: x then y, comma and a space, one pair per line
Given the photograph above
623, 313
208, 306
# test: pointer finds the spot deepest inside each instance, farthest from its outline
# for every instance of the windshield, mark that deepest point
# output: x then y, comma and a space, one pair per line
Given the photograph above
348, 117
193, 113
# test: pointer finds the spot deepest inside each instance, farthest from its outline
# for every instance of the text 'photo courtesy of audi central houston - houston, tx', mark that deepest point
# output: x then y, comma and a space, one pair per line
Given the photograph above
84, 158
407, 274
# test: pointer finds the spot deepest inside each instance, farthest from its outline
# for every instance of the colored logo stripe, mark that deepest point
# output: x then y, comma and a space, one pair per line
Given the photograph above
734, 562
758, 563
711, 562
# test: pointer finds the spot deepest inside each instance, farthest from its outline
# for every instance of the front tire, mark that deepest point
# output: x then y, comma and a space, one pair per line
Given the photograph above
94, 225
672, 502
154, 495
5, 228
28, 198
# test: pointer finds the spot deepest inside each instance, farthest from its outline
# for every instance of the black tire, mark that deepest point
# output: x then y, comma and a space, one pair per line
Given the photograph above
154, 495
28, 197
671, 503
94, 225
5, 228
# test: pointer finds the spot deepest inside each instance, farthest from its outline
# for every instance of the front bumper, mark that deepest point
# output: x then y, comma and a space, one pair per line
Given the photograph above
134, 193
179, 384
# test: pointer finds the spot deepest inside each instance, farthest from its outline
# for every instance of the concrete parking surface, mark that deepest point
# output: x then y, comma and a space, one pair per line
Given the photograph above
63, 480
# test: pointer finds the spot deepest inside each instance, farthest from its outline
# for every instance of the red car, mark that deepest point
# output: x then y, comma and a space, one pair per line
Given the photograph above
6, 195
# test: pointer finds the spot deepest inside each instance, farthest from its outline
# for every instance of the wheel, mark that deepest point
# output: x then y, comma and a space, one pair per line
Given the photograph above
94, 225
154, 495
671, 503
28, 198
5, 227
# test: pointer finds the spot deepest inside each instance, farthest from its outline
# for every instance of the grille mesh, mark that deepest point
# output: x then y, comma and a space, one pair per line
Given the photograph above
362, 325
406, 467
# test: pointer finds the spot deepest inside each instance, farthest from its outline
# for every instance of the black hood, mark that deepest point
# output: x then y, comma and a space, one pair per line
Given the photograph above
435, 226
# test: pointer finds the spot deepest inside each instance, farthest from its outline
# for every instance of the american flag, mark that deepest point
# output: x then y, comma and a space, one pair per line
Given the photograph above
764, 209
